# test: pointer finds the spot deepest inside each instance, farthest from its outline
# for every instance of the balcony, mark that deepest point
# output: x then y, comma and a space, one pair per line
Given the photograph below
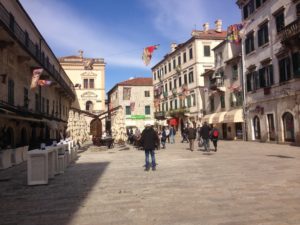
216, 83
22, 37
290, 31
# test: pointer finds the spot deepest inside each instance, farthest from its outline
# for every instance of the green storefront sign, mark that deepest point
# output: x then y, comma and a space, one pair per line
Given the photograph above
138, 117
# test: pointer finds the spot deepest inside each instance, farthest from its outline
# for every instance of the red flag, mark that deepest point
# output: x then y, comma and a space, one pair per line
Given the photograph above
147, 54
36, 73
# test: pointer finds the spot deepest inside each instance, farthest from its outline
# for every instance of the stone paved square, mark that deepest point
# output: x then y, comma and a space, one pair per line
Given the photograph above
244, 183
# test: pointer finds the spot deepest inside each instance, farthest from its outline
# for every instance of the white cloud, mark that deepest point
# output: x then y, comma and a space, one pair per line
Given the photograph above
176, 18
67, 31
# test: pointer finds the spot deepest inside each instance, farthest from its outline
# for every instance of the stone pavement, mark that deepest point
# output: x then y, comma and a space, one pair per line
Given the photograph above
243, 183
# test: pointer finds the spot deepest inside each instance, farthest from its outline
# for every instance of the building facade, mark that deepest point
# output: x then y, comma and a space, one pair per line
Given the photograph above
223, 94
135, 96
29, 116
178, 86
88, 77
271, 48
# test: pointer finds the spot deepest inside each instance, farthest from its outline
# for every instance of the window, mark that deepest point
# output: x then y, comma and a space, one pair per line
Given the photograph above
47, 107
170, 85
37, 108
212, 104
53, 105
175, 83
279, 18
191, 53
128, 110
257, 3
26, 99
193, 100
296, 64
147, 110
207, 50
85, 83
189, 101
171, 104
263, 34
191, 77
236, 99
174, 63
179, 60
11, 92
185, 78
169, 67
179, 82
147, 93
165, 69
166, 87
298, 11
248, 9
249, 82
43, 104
266, 76
184, 57
234, 72
167, 107
175, 102
284, 69
222, 100
249, 42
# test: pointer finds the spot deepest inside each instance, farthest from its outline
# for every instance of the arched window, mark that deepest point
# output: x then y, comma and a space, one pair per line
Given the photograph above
256, 127
288, 127
89, 106
9, 140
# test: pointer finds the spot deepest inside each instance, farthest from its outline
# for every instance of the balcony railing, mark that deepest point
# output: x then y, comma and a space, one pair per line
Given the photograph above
215, 83
290, 30
22, 37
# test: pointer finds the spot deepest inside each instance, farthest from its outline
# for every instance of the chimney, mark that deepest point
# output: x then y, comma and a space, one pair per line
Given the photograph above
205, 27
80, 53
218, 24
173, 47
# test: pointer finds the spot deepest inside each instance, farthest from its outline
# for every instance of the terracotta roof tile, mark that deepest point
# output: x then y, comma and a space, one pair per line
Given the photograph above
139, 81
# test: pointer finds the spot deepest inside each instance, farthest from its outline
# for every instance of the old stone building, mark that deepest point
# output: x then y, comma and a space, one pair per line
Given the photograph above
223, 93
178, 86
135, 96
271, 49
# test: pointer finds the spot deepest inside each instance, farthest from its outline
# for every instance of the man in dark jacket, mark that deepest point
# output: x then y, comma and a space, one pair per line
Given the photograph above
149, 139
191, 136
205, 134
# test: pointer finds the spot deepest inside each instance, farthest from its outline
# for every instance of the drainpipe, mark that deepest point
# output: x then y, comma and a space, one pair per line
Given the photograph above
243, 79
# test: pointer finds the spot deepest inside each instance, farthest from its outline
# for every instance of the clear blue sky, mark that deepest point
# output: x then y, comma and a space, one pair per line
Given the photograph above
118, 30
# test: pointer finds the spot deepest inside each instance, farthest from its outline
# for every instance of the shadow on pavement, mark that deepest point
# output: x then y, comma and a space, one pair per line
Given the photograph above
55, 203
281, 156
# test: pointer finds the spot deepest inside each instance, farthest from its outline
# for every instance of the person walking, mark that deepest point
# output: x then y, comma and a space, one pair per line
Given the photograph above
168, 133
191, 136
184, 133
163, 138
172, 134
149, 139
205, 135
214, 136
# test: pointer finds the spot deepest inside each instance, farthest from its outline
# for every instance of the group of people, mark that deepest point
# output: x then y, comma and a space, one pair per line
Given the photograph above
150, 138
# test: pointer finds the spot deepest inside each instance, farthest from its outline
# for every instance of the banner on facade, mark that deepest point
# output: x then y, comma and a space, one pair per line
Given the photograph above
36, 73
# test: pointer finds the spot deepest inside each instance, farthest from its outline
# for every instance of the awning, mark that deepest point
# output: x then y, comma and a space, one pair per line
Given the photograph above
234, 116
218, 117
208, 118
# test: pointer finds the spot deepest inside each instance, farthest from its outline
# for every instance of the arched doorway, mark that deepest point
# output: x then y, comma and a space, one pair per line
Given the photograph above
89, 106
288, 127
10, 138
256, 127
24, 140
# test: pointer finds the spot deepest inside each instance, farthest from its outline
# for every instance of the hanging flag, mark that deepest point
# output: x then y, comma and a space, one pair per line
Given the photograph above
36, 73
147, 54
44, 82
233, 33
132, 105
